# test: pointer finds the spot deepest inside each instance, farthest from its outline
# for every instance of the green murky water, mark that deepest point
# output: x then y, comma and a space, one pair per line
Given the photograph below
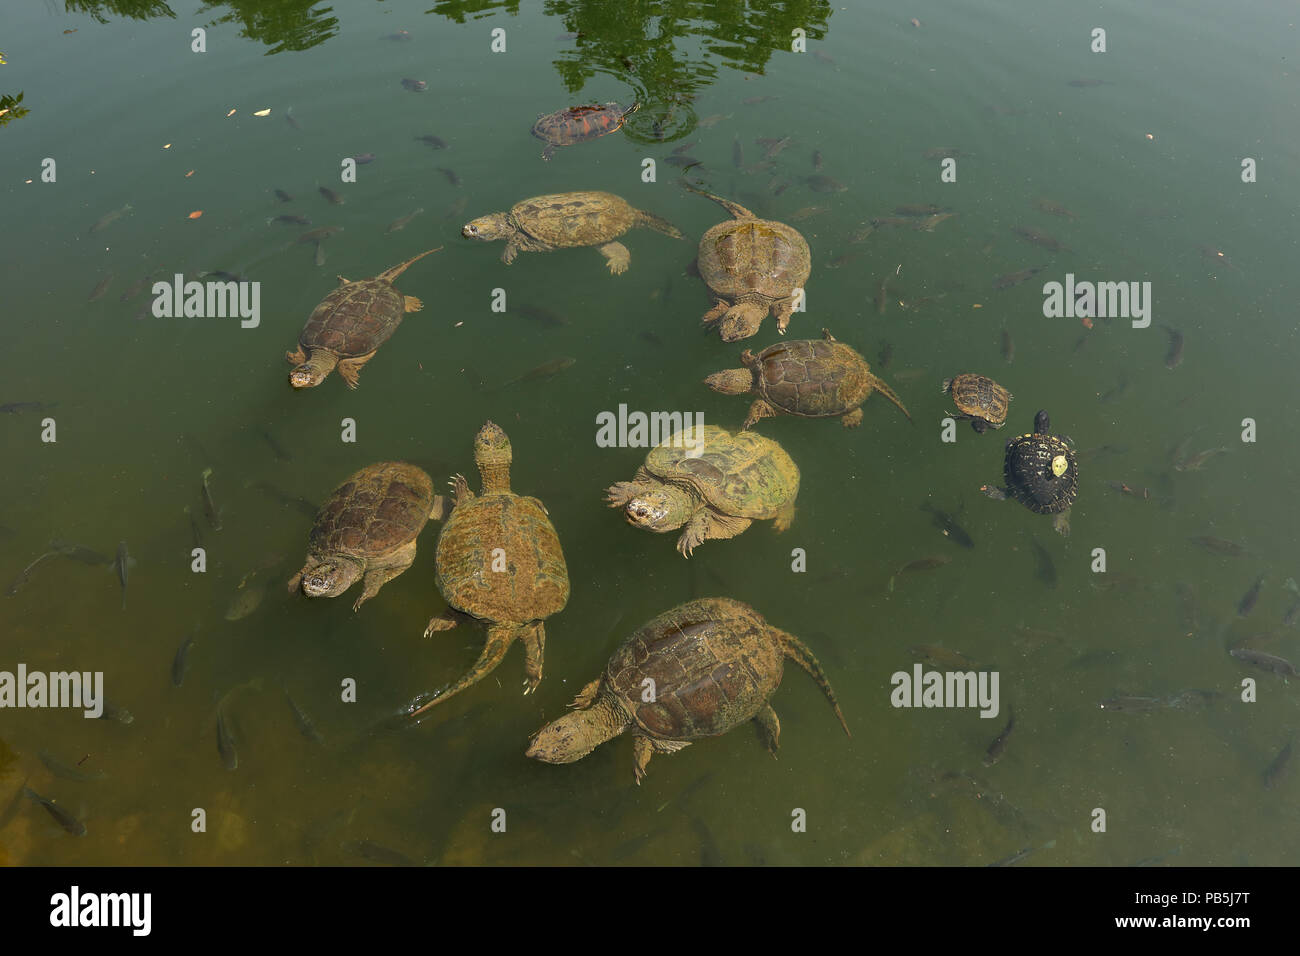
1149, 162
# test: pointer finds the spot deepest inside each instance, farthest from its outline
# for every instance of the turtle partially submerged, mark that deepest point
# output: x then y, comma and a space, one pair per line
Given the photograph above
812, 378
980, 399
693, 672
499, 562
349, 325
1042, 473
711, 481
367, 529
565, 221
752, 267
578, 124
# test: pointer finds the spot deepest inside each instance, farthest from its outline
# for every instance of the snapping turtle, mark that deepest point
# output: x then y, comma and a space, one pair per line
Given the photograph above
752, 266
578, 124
367, 528
349, 325
711, 481
1042, 473
500, 562
980, 399
706, 666
812, 378
564, 221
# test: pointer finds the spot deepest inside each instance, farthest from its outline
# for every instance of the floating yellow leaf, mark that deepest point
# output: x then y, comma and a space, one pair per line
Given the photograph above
231, 113
196, 213
167, 145
262, 113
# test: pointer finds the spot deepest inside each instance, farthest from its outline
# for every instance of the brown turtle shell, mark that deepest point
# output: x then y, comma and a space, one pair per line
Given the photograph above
742, 257
811, 377
979, 397
746, 475
578, 124
379, 509
354, 319
715, 663
567, 220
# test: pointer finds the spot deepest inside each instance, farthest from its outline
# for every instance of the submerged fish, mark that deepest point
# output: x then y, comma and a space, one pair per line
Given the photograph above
286, 500
324, 232
807, 212
944, 658
62, 817
293, 220
1274, 771
100, 288
450, 175
415, 86
226, 743
927, 209
135, 288
278, 450
737, 153
885, 355
943, 152
306, 726
433, 142
948, 525
1008, 347
331, 195
1053, 208
18, 408
375, 853
291, 119
545, 316
111, 217
283, 196
121, 564
1029, 234
457, 208
1197, 462
194, 527
1015, 278
1132, 705
825, 184
319, 258
1219, 545
1046, 571
817, 159
68, 771
1269, 662
1174, 357
920, 564
399, 224
80, 553
362, 159
116, 714
545, 370
994, 753
209, 506
1249, 599
181, 661
247, 599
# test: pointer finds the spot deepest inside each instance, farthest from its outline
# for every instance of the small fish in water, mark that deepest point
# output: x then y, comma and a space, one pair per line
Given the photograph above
62, 817
135, 288
433, 142
1174, 357
1080, 84
306, 726
331, 195
319, 258
807, 212
285, 499
278, 450
737, 153
684, 148
1053, 209
885, 355
944, 658
316, 235
80, 553
1269, 662
1274, 771
943, 152
825, 184
1210, 254
1118, 391
224, 276
840, 261
1290, 616
111, 217
1029, 234
648, 336
226, 742
399, 35
821, 57
457, 209
1124, 488
17, 408
451, 175
375, 853
1101, 451
774, 146
948, 525
929, 222
398, 224
361, 159
1008, 347
415, 86
1046, 567
1219, 545
293, 220
991, 491
100, 288
1015, 278
881, 300
1132, 705
545, 370
921, 564
1197, 462
683, 160
181, 661
194, 527
711, 121
283, 196
817, 159
994, 753
116, 714
928, 209
291, 120
69, 772
209, 506
248, 598
1251, 597
544, 316
120, 564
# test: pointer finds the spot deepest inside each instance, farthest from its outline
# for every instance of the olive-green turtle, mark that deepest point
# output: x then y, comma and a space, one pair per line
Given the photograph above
979, 399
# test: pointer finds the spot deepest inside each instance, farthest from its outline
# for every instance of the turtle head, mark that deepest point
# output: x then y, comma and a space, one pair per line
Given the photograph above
313, 371
1059, 465
492, 455
741, 321
661, 509
329, 578
734, 381
578, 732
487, 228
1042, 423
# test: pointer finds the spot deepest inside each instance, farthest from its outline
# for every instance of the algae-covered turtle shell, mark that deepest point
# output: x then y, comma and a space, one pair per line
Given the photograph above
980, 399
1041, 470
745, 474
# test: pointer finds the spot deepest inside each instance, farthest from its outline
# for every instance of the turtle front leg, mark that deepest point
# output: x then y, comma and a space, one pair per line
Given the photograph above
717, 312
642, 751
758, 411
1061, 523
376, 578
534, 641
709, 524
442, 622
350, 369
617, 257
295, 582
784, 518
298, 357
619, 494
852, 419
769, 729
783, 310
460, 491
587, 696
509, 253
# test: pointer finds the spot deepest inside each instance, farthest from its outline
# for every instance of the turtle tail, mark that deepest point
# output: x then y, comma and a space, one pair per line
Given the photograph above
799, 652
735, 208
888, 392
395, 271
499, 639
659, 225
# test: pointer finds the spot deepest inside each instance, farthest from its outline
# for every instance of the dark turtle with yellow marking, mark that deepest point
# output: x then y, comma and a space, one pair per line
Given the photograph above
1041, 472
811, 378
578, 124
499, 561
349, 325
693, 672
980, 399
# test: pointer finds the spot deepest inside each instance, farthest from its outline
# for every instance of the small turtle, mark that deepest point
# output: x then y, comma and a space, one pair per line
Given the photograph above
367, 528
711, 481
349, 325
752, 266
1041, 472
578, 124
980, 399
812, 378
693, 672
565, 221
499, 562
